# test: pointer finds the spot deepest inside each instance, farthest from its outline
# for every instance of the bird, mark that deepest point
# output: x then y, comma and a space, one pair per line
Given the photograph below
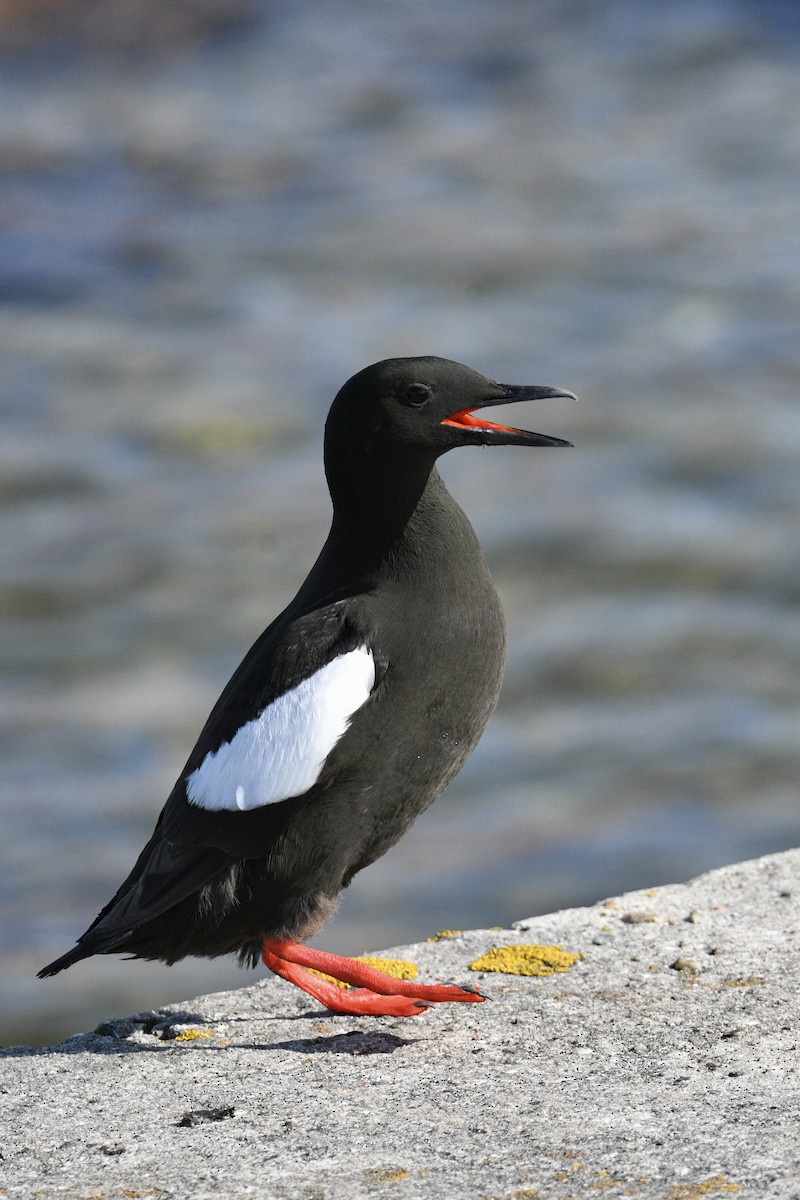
348, 716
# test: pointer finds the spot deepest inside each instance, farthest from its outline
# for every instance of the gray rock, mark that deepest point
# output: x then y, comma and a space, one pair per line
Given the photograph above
625, 1075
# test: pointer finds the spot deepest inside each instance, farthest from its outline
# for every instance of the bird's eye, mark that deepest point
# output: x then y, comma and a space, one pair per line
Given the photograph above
416, 394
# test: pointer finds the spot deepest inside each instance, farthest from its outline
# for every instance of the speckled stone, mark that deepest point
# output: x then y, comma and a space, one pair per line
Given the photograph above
621, 1076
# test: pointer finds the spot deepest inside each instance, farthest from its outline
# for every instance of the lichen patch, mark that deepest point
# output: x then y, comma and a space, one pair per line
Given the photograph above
526, 960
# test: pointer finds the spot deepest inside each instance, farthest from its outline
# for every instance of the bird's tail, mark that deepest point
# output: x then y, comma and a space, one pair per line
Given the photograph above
60, 964
164, 875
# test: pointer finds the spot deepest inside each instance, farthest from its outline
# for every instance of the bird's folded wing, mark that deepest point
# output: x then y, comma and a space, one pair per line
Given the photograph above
281, 752
165, 874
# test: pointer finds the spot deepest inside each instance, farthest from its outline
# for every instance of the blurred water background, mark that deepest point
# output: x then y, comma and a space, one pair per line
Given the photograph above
212, 215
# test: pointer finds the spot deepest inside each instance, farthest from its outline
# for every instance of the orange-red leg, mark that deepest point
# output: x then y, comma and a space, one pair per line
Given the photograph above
376, 993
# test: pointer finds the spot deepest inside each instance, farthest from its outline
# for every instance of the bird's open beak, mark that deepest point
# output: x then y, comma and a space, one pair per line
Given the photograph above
506, 434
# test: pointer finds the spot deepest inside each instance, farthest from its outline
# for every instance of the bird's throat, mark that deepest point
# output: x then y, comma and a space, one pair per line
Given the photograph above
378, 531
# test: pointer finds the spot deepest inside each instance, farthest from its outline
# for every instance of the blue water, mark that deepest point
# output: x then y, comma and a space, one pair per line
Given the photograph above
201, 245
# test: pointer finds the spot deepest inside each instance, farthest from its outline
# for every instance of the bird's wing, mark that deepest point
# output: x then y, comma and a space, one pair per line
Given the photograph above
265, 741
273, 728
287, 655
280, 752
165, 874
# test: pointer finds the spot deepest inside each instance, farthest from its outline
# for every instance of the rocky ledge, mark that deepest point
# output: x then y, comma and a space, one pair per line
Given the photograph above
650, 1050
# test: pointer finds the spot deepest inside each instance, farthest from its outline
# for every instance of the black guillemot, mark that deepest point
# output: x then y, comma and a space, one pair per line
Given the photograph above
348, 716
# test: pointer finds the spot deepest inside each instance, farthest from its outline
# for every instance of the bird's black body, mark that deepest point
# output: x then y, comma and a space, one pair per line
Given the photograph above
402, 575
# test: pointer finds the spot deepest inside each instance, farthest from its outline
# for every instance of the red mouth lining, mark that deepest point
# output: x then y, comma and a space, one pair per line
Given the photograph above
465, 420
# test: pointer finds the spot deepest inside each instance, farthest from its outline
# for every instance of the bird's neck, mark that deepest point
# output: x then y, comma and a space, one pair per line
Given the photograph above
386, 526
374, 499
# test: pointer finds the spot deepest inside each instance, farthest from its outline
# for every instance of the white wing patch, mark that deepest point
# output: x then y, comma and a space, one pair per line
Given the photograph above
281, 752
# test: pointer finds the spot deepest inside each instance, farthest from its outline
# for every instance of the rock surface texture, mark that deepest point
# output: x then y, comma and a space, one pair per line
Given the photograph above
662, 1063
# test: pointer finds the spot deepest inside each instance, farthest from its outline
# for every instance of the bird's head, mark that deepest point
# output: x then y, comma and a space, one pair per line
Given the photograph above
418, 408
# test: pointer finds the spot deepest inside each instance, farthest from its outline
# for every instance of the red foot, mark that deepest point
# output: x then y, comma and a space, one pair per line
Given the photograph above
375, 994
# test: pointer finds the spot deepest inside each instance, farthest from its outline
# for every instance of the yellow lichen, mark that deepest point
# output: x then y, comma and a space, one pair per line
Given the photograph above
686, 965
396, 967
191, 1035
525, 960
605, 1180
692, 1191
750, 981
444, 933
387, 1174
